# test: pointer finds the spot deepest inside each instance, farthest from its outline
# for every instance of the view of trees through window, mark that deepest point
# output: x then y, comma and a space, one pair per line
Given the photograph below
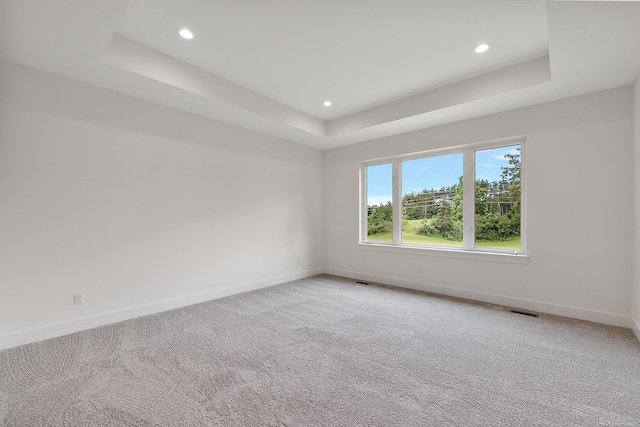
379, 208
497, 199
432, 199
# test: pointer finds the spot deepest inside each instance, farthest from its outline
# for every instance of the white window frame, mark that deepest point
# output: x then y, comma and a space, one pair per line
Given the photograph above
468, 249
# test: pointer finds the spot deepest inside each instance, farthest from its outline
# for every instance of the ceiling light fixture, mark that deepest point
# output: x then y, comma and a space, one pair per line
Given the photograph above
185, 33
483, 47
327, 103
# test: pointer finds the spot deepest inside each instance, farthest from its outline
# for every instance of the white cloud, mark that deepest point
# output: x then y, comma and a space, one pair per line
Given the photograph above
378, 200
501, 156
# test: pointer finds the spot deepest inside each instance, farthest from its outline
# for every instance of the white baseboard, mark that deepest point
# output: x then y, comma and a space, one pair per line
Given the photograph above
635, 327
76, 325
538, 306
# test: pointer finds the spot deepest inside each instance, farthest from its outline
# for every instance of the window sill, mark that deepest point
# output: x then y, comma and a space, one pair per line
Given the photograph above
476, 255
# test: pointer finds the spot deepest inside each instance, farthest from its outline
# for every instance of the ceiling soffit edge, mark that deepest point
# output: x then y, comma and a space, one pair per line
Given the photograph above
135, 57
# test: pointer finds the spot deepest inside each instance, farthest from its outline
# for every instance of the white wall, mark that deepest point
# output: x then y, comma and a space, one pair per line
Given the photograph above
144, 208
579, 234
636, 212
140, 207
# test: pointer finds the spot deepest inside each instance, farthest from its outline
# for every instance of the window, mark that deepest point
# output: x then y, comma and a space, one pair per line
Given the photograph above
432, 200
379, 207
497, 221
463, 198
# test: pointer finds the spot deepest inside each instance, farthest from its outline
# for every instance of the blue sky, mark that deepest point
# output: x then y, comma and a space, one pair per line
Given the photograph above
433, 172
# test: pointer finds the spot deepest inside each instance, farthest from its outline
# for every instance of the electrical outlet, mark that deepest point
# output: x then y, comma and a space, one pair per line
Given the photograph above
78, 299
418, 269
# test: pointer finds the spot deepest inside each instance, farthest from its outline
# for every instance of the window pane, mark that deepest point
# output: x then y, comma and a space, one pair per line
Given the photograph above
432, 200
497, 219
379, 208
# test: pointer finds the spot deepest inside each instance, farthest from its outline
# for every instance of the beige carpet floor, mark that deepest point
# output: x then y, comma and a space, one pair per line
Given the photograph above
325, 351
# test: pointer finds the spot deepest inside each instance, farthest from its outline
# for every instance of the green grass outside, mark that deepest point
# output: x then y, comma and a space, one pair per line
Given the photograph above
410, 236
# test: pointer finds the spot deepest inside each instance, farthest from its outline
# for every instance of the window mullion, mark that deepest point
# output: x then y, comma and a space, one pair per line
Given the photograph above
523, 199
468, 200
364, 218
397, 201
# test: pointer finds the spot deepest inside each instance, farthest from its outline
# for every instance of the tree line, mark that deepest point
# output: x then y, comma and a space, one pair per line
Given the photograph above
497, 208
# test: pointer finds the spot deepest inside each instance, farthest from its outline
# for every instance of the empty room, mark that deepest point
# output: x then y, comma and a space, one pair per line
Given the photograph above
319, 213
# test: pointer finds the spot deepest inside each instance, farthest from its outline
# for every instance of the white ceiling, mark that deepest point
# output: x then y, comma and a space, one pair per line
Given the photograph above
356, 53
388, 66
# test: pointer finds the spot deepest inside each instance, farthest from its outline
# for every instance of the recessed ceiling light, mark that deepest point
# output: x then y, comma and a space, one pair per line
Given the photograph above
483, 47
327, 103
185, 33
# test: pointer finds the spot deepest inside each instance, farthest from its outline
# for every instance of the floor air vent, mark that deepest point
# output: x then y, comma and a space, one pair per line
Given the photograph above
524, 313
